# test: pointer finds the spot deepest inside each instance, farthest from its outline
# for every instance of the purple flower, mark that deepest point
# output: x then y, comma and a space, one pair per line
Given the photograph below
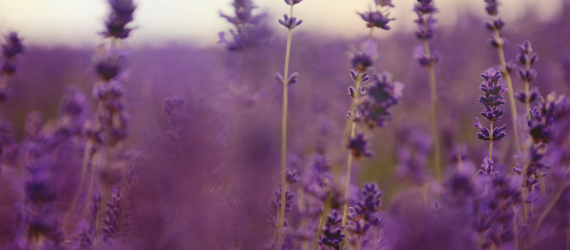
361, 62
384, 3
532, 96
487, 167
108, 62
495, 24
382, 95
422, 58
360, 147
12, 46
376, 19
293, 2
276, 203
121, 14
249, 32
485, 135
10, 49
492, 7
290, 23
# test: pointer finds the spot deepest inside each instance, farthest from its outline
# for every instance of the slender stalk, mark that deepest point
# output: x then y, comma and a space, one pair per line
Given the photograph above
284, 136
431, 70
527, 91
350, 156
546, 211
515, 228
514, 117
510, 92
87, 156
322, 220
568, 234
491, 143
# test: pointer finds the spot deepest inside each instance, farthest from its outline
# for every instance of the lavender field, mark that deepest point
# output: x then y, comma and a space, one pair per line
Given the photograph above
447, 137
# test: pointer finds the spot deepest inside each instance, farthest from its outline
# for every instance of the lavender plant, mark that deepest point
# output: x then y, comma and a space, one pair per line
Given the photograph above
11, 48
290, 23
87, 174
425, 9
495, 24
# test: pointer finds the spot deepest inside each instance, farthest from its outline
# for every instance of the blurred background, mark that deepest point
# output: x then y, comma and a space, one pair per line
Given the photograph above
173, 51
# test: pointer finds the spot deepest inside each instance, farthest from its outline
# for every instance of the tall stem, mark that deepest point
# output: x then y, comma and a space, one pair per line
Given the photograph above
510, 92
435, 131
491, 142
513, 115
354, 110
284, 136
527, 91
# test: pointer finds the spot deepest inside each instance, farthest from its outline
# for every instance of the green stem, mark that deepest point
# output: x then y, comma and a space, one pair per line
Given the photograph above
515, 228
513, 116
87, 156
491, 142
354, 110
322, 220
284, 136
431, 70
511, 90
546, 211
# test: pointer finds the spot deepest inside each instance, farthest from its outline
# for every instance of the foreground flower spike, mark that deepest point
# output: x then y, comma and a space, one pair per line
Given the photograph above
493, 87
364, 217
290, 22
249, 32
11, 48
425, 9
527, 58
495, 24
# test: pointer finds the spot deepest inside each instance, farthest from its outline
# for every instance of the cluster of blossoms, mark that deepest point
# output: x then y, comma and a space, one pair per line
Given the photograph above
495, 24
364, 217
120, 16
427, 26
249, 32
379, 97
379, 18
11, 48
527, 58
493, 87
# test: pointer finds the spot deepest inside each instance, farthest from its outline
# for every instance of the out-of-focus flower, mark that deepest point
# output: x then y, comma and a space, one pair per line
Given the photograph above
384, 3
376, 19
11, 48
249, 32
108, 62
422, 58
361, 62
121, 14
293, 2
360, 147
382, 95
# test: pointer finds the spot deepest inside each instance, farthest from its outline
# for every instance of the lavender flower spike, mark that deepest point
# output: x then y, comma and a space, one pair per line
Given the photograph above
290, 23
493, 87
11, 48
426, 23
495, 24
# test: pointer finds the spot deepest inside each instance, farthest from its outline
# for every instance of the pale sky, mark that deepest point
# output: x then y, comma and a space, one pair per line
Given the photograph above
76, 22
